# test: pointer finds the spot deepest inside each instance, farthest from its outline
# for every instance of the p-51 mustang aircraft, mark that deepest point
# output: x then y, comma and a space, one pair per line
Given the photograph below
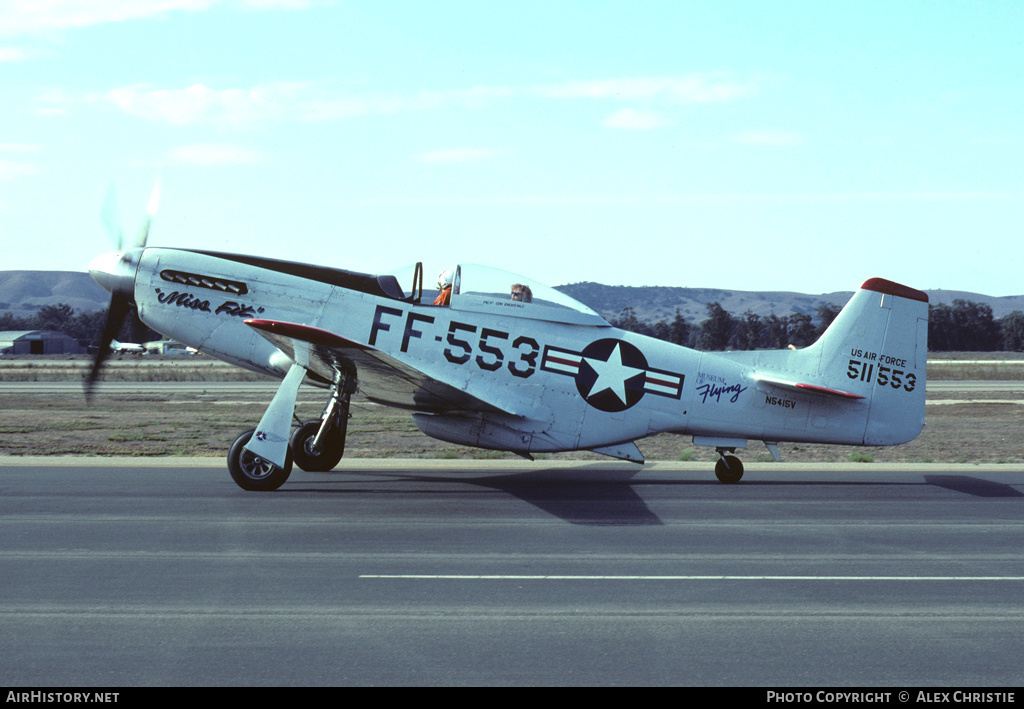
524, 369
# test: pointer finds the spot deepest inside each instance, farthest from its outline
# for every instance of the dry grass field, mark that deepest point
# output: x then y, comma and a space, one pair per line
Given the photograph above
984, 427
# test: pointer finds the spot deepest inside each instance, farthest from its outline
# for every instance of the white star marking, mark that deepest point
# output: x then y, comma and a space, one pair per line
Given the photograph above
612, 374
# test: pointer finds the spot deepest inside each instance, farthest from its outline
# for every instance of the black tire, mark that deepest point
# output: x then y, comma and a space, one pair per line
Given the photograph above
250, 472
322, 459
729, 469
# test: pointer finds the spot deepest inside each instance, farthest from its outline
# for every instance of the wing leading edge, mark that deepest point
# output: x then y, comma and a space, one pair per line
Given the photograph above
381, 377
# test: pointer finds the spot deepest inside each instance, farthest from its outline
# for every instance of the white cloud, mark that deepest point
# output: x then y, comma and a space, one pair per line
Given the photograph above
318, 101
302, 101
10, 170
32, 16
283, 4
202, 104
696, 88
21, 54
212, 154
768, 137
453, 155
36, 16
12, 54
632, 119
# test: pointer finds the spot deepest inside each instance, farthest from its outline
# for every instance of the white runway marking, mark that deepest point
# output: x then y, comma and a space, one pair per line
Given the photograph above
570, 577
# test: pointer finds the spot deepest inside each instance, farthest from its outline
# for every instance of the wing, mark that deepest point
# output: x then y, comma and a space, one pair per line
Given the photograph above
381, 378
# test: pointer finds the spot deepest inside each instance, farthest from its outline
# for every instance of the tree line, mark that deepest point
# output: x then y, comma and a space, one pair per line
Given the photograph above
84, 327
963, 326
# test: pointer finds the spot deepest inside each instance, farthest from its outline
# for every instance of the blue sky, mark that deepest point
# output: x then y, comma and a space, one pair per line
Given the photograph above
801, 146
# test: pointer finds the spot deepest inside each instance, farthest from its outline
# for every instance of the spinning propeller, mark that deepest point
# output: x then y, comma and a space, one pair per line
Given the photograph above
115, 272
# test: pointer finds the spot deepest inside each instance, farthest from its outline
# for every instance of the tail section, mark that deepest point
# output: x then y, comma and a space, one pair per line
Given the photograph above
877, 348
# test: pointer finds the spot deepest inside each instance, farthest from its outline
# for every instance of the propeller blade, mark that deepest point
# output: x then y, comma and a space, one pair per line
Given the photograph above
112, 219
120, 305
117, 276
154, 202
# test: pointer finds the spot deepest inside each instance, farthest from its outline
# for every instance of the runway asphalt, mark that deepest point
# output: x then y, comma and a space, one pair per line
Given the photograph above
129, 573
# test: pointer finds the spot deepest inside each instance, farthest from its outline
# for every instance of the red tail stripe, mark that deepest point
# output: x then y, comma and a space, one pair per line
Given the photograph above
880, 285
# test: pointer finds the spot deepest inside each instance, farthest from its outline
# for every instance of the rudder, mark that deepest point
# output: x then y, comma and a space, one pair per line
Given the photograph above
877, 347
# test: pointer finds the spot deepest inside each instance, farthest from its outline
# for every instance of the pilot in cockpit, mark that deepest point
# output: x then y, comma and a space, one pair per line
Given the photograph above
444, 286
522, 293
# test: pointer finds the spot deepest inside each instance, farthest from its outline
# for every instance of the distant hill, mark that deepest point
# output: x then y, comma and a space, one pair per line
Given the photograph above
24, 292
656, 303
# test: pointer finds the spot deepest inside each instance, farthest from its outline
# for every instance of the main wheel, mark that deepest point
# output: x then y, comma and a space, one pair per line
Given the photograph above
252, 472
320, 458
729, 469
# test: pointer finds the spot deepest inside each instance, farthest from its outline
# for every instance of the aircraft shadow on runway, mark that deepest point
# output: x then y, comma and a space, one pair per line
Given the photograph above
973, 486
599, 496
585, 495
604, 498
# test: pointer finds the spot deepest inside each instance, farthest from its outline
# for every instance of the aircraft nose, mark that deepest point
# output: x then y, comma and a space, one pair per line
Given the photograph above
104, 270
116, 272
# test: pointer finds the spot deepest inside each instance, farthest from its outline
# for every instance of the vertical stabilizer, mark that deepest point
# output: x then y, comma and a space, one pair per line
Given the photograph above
878, 348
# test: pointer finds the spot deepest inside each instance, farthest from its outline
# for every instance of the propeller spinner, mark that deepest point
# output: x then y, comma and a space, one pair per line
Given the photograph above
115, 272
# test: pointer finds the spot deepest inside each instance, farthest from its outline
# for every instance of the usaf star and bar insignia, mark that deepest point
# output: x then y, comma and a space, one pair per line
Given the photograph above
612, 375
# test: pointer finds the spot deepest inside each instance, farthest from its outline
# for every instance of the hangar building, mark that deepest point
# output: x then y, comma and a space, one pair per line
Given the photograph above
38, 342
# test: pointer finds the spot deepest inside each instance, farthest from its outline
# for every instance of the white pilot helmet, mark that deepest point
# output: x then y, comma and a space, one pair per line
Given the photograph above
445, 278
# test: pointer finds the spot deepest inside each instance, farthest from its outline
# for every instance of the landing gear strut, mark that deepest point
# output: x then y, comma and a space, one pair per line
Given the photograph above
266, 462
317, 446
728, 469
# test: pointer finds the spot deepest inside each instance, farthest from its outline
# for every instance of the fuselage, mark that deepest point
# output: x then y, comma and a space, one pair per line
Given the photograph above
573, 382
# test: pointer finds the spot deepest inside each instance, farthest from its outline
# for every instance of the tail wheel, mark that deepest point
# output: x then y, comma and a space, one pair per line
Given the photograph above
250, 471
317, 459
729, 469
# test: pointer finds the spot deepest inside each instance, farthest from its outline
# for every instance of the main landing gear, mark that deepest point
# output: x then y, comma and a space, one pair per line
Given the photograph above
315, 446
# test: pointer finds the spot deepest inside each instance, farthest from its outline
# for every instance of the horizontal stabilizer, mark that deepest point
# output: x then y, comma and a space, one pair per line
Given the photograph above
802, 387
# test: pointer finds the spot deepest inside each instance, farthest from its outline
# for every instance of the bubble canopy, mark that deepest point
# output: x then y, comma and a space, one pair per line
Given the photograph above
486, 289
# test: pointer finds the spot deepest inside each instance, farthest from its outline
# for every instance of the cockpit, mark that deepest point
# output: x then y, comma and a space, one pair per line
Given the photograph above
485, 289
